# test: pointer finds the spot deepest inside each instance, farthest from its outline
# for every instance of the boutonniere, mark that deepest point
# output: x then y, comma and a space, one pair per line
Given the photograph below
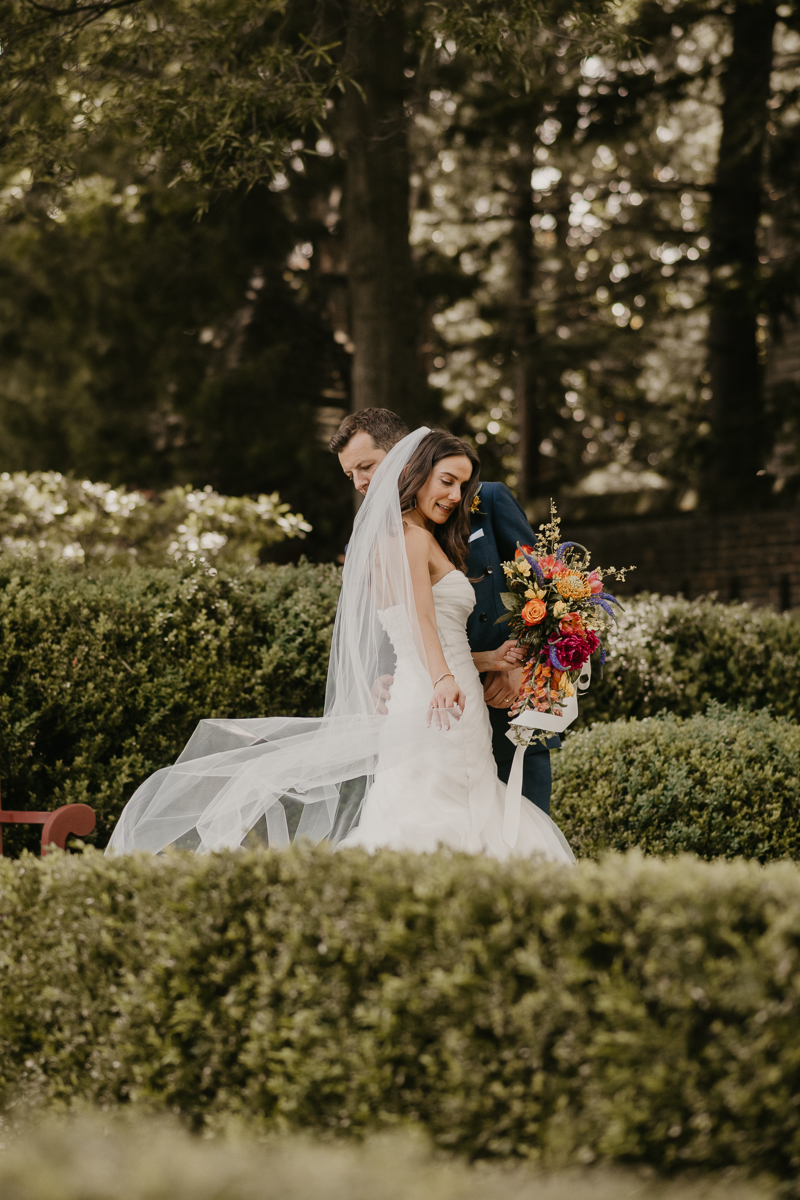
475, 507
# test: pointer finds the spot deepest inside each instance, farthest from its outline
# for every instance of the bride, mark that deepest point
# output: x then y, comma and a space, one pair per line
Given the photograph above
412, 774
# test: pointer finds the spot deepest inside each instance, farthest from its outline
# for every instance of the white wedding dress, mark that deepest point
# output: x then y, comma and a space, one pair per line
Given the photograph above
448, 793
354, 776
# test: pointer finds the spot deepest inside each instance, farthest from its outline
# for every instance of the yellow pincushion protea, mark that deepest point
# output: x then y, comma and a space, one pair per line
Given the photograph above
573, 586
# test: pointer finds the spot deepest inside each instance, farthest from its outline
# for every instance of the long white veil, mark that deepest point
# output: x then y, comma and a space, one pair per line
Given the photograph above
281, 778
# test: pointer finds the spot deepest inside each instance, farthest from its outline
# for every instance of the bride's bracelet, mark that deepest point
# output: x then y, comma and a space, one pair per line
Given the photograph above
441, 677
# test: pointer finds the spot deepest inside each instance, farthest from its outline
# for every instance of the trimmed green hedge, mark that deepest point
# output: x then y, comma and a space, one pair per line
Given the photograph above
680, 654
104, 674
720, 784
636, 1010
153, 1159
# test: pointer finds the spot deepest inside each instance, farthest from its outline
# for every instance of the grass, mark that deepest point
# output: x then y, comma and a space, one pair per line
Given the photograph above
97, 1157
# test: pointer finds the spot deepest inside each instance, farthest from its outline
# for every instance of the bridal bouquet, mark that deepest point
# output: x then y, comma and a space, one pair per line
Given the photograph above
558, 608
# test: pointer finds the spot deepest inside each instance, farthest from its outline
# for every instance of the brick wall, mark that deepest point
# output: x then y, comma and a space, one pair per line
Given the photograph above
754, 558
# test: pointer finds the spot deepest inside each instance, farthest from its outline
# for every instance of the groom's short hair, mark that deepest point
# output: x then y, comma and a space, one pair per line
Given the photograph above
384, 427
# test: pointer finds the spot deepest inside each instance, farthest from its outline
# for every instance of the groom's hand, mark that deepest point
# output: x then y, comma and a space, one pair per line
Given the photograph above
504, 658
500, 688
381, 690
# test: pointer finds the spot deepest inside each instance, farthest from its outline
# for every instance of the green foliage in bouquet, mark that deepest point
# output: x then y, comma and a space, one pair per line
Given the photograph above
105, 673
49, 516
720, 784
633, 1011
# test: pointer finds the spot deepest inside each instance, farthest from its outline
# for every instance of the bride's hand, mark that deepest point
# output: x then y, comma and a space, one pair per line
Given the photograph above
381, 691
446, 695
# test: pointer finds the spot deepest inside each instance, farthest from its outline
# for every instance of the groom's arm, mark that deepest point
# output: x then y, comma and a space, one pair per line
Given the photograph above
509, 526
509, 523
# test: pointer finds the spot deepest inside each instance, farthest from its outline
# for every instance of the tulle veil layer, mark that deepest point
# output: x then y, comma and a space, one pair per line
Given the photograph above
276, 779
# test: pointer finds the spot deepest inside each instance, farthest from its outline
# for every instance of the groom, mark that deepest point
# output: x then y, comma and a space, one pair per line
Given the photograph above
361, 442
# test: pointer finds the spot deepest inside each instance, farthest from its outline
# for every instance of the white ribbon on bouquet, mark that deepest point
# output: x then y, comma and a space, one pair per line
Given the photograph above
521, 734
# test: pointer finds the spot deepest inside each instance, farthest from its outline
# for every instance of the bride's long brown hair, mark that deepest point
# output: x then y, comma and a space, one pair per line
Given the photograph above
453, 535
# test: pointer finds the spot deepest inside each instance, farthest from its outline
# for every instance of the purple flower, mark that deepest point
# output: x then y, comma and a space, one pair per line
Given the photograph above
554, 659
573, 650
537, 570
603, 604
565, 546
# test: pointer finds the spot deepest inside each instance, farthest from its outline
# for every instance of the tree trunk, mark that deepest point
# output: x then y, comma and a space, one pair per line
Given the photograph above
371, 128
525, 331
737, 404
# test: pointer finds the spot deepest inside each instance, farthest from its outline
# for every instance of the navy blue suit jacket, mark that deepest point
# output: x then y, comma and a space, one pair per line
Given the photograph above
497, 527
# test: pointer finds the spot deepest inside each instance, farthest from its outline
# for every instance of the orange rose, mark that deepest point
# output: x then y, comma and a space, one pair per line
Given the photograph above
521, 551
534, 612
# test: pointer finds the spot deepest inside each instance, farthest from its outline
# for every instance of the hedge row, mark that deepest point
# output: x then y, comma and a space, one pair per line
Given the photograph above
104, 674
104, 1159
637, 1010
681, 654
720, 784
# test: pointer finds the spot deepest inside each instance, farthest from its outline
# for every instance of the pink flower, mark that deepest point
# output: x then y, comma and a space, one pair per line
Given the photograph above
595, 583
575, 649
551, 566
571, 623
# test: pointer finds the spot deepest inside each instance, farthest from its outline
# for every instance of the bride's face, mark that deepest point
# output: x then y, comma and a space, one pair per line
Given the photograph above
441, 492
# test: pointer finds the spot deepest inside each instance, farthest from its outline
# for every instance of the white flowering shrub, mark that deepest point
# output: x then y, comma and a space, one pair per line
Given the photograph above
49, 516
674, 654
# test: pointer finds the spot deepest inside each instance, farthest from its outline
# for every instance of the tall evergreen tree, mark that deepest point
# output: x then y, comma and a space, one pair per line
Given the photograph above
654, 277
222, 89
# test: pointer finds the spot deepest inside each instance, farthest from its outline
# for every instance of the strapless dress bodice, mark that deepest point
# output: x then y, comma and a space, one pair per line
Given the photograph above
454, 600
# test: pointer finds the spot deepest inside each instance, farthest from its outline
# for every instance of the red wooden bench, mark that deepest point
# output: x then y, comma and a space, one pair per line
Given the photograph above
58, 824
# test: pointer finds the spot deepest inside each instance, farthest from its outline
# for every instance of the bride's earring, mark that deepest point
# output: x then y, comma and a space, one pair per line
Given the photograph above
414, 502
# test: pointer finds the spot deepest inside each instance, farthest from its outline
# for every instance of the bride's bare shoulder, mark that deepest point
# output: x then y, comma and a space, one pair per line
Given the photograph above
419, 542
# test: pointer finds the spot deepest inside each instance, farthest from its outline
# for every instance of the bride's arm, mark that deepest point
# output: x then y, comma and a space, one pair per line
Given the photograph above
446, 693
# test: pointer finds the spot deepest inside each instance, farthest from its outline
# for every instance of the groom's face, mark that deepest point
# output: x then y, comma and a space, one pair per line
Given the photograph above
360, 459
